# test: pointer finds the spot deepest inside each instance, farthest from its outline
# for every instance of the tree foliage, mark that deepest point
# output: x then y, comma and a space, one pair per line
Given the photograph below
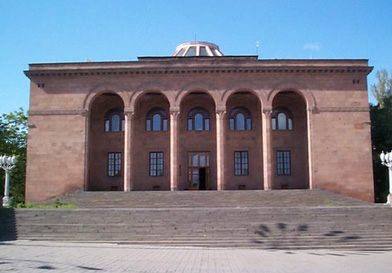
381, 117
382, 90
13, 141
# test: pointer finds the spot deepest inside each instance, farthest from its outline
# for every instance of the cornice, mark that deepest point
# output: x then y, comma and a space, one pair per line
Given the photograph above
197, 70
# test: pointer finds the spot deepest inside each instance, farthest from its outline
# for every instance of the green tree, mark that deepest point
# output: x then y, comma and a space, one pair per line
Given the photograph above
382, 90
13, 141
381, 117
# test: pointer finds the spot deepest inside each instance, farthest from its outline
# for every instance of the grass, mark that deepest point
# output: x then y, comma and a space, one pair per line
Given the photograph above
46, 206
57, 205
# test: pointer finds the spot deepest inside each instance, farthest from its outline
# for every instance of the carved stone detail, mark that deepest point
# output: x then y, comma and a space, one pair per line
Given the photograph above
342, 109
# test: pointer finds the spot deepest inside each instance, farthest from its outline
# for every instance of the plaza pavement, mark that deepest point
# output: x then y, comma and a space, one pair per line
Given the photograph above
49, 256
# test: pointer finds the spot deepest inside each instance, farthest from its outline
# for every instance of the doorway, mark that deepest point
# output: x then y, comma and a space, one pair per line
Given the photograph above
198, 170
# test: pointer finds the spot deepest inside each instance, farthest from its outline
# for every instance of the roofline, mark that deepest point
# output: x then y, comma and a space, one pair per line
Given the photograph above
218, 58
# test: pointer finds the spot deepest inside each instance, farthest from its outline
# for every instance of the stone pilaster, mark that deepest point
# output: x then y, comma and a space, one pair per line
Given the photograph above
220, 148
128, 185
309, 115
267, 149
174, 116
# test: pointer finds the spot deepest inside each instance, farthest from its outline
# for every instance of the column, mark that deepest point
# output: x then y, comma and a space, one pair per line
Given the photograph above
86, 116
174, 116
220, 148
309, 136
267, 149
128, 186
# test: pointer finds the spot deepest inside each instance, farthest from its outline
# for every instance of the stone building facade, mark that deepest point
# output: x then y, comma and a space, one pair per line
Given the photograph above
199, 120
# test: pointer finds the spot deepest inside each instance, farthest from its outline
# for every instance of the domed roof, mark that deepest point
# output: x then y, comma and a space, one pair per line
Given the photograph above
192, 49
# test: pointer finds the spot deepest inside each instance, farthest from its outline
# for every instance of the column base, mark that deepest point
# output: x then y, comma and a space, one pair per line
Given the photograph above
389, 200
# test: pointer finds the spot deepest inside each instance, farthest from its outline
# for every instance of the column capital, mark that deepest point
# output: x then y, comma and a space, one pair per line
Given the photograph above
174, 111
267, 110
129, 112
220, 110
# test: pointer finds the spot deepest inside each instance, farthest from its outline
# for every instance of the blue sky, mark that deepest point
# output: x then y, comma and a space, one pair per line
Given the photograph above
73, 30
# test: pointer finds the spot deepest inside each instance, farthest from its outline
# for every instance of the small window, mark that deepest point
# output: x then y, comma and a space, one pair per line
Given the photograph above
203, 51
156, 120
283, 162
241, 164
181, 52
198, 120
156, 164
240, 119
114, 164
191, 52
114, 121
282, 119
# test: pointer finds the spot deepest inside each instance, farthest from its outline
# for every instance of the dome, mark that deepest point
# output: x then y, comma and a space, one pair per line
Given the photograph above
192, 49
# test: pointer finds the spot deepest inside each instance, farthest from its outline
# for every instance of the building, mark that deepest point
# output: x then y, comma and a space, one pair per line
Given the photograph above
199, 120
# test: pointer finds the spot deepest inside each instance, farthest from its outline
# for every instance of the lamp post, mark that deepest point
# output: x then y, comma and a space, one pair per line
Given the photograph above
386, 160
7, 163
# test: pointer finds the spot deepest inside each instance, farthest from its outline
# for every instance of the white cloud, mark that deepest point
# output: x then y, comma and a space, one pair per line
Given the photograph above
312, 46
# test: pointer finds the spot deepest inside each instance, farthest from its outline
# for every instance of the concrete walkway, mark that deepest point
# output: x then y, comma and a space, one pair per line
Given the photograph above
34, 256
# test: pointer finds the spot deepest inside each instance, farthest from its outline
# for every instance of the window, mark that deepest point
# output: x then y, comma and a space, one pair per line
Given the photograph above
282, 119
198, 120
114, 164
240, 119
156, 164
203, 51
114, 121
156, 120
241, 164
283, 162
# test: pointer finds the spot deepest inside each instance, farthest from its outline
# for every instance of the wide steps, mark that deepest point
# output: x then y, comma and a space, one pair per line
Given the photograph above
232, 219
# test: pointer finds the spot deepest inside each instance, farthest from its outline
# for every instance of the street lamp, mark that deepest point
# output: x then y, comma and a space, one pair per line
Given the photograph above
386, 160
7, 163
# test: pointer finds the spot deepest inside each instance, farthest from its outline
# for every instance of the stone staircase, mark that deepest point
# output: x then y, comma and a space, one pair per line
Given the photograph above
253, 219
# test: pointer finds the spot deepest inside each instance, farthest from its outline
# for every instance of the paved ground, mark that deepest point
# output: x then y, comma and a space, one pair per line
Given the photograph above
28, 256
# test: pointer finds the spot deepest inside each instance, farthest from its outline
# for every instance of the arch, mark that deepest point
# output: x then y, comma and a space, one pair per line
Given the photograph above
139, 94
197, 87
307, 95
100, 89
229, 92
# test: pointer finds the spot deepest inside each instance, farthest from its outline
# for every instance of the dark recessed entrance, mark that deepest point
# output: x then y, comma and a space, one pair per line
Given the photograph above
198, 170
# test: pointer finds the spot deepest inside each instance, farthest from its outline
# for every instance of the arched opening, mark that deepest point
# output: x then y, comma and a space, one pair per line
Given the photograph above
244, 160
106, 144
151, 138
197, 153
289, 142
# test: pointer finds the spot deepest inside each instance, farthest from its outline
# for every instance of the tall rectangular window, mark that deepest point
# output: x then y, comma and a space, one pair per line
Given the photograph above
156, 164
114, 164
241, 164
283, 162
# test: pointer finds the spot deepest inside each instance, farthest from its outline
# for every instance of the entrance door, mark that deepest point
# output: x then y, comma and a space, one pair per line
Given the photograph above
198, 170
